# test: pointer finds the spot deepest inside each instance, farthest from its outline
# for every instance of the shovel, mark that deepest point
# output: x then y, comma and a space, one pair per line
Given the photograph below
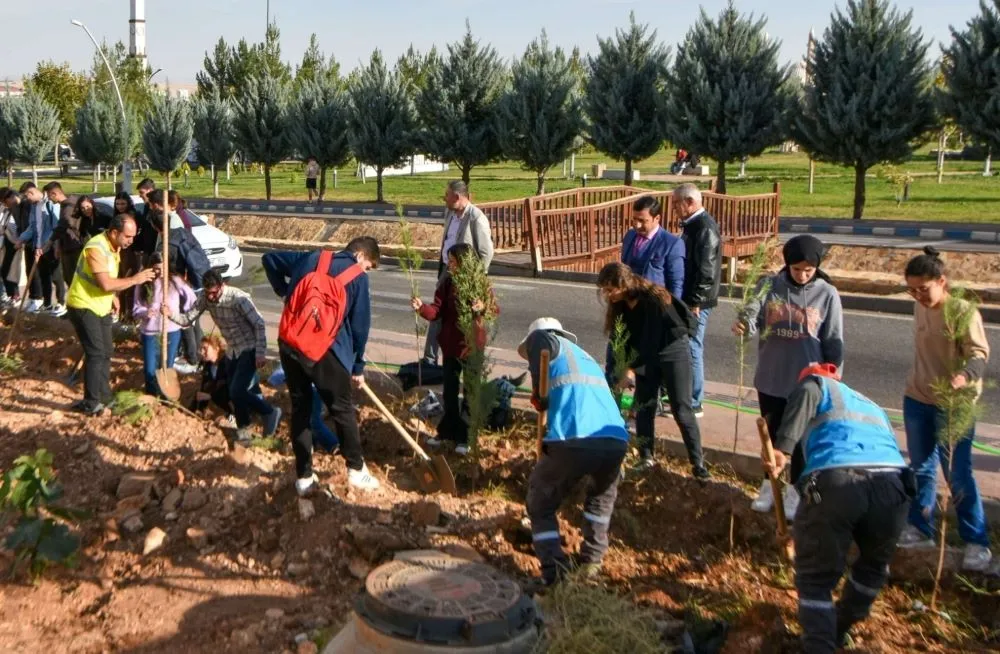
435, 475
767, 456
20, 308
166, 378
543, 393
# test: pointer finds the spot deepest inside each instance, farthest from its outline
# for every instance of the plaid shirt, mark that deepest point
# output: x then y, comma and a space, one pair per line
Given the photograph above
237, 318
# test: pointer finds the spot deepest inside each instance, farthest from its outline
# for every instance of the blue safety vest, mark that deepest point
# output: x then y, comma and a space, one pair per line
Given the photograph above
580, 402
849, 431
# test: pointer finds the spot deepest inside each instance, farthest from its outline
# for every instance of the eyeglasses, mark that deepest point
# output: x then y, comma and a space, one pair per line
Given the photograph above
923, 291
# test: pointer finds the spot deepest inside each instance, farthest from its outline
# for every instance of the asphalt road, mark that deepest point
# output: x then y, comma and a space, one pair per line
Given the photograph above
879, 346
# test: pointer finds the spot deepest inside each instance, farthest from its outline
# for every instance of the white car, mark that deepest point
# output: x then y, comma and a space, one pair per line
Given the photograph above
221, 249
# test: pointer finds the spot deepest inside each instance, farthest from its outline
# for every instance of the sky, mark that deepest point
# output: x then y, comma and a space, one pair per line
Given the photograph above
178, 32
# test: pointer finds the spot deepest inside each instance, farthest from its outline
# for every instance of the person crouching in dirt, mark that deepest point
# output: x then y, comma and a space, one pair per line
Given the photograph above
658, 327
91, 300
855, 487
244, 328
585, 437
341, 367
452, 341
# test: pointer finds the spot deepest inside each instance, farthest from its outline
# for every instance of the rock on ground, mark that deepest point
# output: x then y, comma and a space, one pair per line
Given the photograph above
154, 540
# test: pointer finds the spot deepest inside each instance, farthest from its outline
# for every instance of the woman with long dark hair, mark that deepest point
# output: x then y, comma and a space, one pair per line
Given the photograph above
124, 204
658, 329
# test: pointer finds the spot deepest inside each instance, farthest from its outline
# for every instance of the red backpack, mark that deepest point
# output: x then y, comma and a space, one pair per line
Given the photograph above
315, 310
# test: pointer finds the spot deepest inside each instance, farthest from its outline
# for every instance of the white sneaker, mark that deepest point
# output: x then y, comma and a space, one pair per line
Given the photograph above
433, 441
791, 502
976, 558
764, 501
185, 368
244, 437
231, 421
913, 538
33, 306
461, 450
305, 486
58, 310
362, 479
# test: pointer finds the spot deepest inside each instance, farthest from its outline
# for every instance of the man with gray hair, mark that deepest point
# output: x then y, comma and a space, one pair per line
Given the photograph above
702, 275
463, 223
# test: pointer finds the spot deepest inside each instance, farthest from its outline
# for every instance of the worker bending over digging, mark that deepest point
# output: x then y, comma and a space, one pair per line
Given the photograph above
585, 437
855, 486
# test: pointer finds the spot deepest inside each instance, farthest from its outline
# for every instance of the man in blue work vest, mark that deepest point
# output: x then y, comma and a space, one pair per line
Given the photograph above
855, 487
585, 437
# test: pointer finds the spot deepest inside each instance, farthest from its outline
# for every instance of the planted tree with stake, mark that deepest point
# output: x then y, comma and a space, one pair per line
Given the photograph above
37, 129
382, 122
212, 123
625, 95
319, 124
868, 99
541, 116
261, 124
728, 96
9, 133
166, 136
971, 66
99, 136
458, 105
411, 260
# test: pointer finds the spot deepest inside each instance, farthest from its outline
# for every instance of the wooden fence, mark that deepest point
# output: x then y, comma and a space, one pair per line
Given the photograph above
581, 229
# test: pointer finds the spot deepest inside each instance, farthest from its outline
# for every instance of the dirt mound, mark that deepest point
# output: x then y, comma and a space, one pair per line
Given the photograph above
292, 229
423, 234
246, 567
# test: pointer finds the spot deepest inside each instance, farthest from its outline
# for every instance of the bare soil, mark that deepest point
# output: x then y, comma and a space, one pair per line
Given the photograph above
291, 229
423, 234
241, 571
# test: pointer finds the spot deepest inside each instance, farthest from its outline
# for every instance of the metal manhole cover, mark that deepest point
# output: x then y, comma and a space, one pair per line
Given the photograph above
442, 599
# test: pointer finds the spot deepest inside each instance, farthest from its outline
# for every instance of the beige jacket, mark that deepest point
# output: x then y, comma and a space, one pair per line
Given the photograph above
934, 353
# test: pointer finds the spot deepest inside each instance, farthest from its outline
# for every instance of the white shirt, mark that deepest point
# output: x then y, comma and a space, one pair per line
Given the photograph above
451, 236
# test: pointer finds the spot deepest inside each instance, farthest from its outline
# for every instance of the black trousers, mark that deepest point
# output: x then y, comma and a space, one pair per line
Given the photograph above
48, 275
94, 333
452, 426
673, 372
555, 475
191, 342
7, 257
68, 263
333, 382
772, 409
868, 508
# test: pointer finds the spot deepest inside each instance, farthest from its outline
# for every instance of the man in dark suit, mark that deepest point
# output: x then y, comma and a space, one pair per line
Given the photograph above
651, 251
702, 274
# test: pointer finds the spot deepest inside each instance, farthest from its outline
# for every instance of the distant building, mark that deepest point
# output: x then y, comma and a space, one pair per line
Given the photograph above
12, 88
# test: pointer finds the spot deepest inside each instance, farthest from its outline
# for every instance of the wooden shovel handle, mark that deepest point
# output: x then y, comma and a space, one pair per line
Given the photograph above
543, 393
395, 423
767, 456
20, 308
164, 279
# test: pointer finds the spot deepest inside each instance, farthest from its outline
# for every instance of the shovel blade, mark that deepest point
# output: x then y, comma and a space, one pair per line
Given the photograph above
444, 475
169, 384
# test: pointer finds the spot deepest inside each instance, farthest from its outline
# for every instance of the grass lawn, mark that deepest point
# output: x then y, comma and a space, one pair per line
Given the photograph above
965, 195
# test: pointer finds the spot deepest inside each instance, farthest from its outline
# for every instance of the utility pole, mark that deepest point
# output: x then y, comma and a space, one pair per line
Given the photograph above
268, 16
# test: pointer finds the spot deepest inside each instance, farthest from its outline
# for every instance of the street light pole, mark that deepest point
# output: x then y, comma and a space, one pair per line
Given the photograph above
126, 169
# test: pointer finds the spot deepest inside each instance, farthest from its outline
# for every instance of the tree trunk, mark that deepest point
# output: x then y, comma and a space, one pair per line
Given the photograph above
267, 181
322, 182
10, 176
541, 184
379, 197
812, 174
720, 178
628, 172
988, 165
55, 153
228, 170
114, 175
93, 176
34, 173
942, 140
466, 170
743, 167
215, 182
859, 191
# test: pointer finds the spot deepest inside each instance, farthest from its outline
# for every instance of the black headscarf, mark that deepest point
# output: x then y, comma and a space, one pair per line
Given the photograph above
805, 248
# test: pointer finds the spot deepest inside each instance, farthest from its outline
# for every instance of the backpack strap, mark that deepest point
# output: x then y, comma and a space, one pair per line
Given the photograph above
325, 257
350, 274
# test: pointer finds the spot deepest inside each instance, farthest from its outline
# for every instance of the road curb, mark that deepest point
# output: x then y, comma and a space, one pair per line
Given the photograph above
908, 229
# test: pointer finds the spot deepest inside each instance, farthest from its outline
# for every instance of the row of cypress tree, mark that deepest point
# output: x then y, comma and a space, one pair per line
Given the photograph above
868, 97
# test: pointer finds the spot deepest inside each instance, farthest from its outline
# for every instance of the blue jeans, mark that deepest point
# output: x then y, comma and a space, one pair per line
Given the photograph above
698, 360
921, 422
241, 393
151, 357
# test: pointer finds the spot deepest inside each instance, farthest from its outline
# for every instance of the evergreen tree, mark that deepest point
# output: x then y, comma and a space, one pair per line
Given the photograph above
217, 75
319, 125
541, 116
458, 105
268, 57
869, 96
728, 94
414, 67
61, 88
9, 134
382, 120
166, 135
212, 127
131, 73
100, 137
971, 66
261, 124
37, 129
624, 95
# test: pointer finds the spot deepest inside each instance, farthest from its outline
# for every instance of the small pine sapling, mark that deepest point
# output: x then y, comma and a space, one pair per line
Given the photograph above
622, 355
755, 291
958, 406
410, 260
477, 313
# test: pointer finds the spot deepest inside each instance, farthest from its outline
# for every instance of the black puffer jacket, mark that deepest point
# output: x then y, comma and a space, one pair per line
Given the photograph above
703, 265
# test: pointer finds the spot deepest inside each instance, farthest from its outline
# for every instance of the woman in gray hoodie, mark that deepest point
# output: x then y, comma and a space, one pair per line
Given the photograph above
800, 322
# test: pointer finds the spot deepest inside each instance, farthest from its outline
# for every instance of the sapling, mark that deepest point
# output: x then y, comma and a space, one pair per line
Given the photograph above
477, 313
622, 357
754, 293
958, 406
410, 260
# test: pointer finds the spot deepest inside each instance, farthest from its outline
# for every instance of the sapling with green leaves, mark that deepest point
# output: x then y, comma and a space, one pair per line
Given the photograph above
477, 314
622, 357
957, 403
411, 260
